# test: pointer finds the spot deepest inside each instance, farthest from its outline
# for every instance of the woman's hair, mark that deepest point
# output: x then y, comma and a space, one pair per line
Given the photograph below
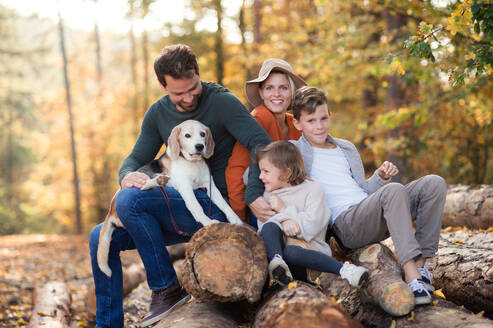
291, 82
284, 155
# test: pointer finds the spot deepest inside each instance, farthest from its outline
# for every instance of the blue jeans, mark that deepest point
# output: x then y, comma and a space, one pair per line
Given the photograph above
146, 217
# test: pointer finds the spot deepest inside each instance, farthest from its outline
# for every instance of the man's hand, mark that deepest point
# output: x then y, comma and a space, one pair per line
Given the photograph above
134, 179
387, 170
261, 209
290, 228
276, 203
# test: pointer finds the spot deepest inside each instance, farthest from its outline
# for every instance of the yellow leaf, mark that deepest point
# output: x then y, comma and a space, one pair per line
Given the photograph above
439, 293
457, 241
333, 299
385, 84
480, 314
411, 317
393, 324
82, 323
396, 66
43, 314
292, 285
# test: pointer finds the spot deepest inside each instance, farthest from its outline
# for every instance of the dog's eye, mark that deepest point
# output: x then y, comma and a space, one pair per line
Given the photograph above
202, 134
187, 135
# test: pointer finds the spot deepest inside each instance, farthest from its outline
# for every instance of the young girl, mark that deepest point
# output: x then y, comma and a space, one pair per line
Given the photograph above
301, 214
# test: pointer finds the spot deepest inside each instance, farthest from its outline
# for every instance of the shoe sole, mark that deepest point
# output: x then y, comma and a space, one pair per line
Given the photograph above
280, 276
363, 279
420, 300
162, 315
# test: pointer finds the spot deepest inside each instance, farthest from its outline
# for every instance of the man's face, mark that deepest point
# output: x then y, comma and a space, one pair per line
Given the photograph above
315, 126
184, 93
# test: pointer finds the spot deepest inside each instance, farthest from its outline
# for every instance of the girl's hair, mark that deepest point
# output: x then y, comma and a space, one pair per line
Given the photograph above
284, 155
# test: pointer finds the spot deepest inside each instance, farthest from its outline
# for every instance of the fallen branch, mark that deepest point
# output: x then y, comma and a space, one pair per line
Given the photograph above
51, 306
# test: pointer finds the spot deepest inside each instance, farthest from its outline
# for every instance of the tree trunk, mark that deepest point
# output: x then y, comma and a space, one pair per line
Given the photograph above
219, 43
78, 215
145, 57
51, 305
396, 92
463, 269
135, 85
385, 284
301, 305
469, 206
225, 262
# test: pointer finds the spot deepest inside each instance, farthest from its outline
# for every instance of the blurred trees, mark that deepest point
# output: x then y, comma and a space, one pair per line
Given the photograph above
409, 80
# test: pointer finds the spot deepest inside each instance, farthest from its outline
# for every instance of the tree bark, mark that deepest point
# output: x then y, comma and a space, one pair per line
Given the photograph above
469, 206
218, 43
302, 306
385, 284
225, 262
78, 214
51, 306
198, 314
463, 269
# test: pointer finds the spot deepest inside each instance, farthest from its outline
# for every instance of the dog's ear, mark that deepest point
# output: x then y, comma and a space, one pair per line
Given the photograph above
174, 147
209, 143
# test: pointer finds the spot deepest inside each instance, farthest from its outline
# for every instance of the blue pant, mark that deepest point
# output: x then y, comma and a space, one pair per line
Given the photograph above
146, 217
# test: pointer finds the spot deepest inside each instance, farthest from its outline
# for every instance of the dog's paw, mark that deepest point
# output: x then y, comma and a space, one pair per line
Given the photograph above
148, 185
162, 179
235, 220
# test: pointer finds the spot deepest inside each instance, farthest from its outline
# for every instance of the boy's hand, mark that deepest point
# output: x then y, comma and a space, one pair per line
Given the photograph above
387, 170
290, 228
261, 209
276, 203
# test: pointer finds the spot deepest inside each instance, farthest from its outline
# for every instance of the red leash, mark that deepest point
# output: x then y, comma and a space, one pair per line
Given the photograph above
173, 222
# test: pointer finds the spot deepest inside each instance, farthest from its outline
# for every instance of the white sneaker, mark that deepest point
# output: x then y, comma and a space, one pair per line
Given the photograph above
426, 277
279, 271
356, 275
421, 295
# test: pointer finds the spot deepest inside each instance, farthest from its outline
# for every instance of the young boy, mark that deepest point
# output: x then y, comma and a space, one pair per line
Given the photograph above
365, 211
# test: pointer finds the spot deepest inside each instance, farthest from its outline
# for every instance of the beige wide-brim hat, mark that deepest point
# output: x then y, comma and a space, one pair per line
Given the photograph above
252, 87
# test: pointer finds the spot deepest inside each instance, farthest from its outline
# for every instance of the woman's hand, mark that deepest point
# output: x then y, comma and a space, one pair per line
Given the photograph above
134, 179
276, 203
261, 209
290, 228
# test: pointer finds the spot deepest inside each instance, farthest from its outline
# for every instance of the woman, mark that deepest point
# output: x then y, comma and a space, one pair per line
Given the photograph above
271, 94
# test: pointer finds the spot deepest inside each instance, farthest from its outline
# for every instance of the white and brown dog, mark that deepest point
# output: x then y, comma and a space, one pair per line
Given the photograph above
182, 167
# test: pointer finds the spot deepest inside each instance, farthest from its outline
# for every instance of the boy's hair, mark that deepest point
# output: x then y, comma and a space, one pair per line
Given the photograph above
177, 61
284, 155
307, 99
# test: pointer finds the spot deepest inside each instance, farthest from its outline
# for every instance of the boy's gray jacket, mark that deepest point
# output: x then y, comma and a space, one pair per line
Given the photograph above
355, 164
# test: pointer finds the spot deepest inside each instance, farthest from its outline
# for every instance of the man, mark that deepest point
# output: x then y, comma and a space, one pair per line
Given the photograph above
145, 214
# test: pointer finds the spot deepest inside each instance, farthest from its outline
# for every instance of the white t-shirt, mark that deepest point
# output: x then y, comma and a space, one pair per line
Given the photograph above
331, 168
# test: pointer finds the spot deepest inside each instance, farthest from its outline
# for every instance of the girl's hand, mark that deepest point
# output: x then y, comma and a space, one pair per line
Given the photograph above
387, 170
276, 203
290, 228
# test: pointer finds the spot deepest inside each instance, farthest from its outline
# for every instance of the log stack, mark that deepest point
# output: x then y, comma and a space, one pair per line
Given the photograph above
470, 206
226, 263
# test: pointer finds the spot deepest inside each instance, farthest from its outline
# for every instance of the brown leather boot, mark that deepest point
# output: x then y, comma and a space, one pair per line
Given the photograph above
163, 302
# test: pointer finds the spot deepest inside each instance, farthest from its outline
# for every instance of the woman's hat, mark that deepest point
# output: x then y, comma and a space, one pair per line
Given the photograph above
252, 87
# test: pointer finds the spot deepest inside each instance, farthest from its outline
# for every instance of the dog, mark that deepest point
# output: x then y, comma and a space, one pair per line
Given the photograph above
182, 167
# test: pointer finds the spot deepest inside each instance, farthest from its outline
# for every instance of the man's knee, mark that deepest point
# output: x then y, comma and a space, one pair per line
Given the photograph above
394, 189
125, 199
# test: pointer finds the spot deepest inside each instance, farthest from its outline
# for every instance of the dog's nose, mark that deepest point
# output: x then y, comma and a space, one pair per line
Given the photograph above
199, 147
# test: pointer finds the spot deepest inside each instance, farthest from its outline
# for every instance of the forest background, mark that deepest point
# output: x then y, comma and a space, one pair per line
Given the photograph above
407, 80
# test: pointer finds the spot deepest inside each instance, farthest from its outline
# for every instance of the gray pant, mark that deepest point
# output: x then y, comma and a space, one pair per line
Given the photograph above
391, 210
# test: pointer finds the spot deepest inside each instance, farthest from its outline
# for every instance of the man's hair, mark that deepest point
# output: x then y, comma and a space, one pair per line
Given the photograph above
307, 99
177, 61
284, 155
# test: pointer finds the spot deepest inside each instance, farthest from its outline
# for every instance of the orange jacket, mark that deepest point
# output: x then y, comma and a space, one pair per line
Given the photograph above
240, 158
